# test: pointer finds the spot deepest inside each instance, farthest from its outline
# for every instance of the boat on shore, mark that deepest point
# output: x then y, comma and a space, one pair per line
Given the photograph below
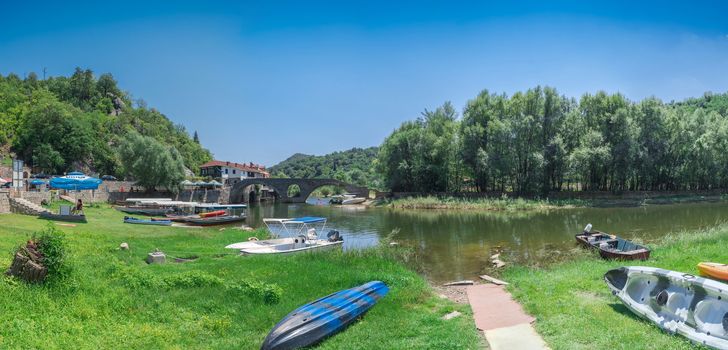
612, 246
59, 217
299, 235
152, 221
145, 210
212, 220
679, 303
714, 270
319, 319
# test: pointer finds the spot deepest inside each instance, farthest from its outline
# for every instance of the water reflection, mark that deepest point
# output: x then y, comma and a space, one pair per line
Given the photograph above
456, 245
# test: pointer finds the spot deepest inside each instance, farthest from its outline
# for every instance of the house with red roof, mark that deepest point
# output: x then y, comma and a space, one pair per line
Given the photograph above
230, 172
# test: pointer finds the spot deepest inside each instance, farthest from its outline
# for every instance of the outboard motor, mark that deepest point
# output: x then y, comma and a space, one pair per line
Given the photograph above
588, 228
334, 236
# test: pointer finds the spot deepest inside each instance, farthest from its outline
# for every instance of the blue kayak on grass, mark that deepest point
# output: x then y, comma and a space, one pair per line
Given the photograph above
131, 220
319, 319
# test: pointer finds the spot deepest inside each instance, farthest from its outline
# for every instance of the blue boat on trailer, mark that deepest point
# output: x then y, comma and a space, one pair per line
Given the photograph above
315, 321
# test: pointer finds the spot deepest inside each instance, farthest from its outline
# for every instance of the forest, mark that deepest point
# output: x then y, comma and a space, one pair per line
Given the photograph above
355, 166
538, 141
79, 122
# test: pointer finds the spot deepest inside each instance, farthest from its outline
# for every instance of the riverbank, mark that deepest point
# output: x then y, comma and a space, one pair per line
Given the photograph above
113, 299
575, 309
505, 203
495, 204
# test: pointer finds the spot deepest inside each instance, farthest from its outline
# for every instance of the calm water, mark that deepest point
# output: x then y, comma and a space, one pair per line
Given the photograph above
457, 245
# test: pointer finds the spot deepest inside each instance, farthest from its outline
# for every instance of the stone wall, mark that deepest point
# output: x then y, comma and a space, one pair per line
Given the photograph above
35, 197
4, 201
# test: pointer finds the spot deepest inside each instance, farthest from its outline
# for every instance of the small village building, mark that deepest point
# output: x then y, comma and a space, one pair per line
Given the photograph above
230, 172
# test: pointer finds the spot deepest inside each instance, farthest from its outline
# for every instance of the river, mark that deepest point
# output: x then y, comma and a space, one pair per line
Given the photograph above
454, 245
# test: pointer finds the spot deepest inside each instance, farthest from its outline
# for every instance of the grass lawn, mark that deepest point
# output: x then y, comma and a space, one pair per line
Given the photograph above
113, 299
575, 309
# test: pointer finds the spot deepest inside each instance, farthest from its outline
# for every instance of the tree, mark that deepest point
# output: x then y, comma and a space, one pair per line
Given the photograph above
48, 159
52, 127
196, 138
151, 163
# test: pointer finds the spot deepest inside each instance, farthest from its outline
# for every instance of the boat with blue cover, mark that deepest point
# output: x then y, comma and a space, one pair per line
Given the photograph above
131, 220
313, 322
291, 236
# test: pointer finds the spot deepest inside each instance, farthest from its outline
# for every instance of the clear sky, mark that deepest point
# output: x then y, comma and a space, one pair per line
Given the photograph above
262, 80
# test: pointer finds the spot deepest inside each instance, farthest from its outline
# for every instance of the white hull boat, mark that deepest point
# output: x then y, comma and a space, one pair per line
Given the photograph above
300, 236
288, 245
679, 303
355, 200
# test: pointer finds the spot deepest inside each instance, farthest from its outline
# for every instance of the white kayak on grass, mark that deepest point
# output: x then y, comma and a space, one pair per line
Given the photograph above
677, 302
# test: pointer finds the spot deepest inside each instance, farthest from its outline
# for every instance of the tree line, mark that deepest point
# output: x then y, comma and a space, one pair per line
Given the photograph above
84, 122
538, 141
355, 166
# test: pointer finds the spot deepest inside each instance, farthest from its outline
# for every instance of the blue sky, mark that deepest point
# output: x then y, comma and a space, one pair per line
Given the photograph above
262, 80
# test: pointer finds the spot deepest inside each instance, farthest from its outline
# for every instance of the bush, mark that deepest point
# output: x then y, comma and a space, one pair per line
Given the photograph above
51, 243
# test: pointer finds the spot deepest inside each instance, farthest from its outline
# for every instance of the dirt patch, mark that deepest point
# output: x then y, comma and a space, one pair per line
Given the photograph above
456, 294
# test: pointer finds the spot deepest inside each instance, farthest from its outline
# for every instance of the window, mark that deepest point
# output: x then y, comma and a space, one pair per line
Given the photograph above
233, 171
226, 170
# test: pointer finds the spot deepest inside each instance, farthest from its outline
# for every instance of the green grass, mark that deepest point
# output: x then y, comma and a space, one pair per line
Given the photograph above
496, 204
113, 299
575, 309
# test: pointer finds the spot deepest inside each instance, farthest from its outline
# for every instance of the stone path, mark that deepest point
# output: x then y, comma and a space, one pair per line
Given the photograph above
502, 319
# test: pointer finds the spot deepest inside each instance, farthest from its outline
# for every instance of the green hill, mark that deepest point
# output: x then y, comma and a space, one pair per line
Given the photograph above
75, 123
355, 166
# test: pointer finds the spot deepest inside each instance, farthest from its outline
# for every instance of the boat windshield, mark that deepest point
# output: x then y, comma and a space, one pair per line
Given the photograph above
295, 226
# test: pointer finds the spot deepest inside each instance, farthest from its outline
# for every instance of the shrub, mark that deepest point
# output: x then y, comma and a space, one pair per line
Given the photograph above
51, 243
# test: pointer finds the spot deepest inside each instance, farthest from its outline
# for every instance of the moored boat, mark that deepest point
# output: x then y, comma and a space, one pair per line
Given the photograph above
313, 322
677, 302
144, 210
158, 222
214, 220
212, 213
611, 246
300, 236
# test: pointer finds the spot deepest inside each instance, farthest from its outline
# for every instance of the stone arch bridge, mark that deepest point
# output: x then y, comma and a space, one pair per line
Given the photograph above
238, 192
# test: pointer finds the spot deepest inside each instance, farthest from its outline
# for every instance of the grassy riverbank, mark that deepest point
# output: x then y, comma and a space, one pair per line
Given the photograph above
521, 204
496, 204
575, 309
113, 299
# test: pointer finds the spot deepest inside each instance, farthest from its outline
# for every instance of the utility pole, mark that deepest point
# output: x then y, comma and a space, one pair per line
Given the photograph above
44, 73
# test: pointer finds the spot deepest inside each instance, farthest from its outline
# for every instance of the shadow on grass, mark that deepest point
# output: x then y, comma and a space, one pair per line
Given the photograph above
620, 308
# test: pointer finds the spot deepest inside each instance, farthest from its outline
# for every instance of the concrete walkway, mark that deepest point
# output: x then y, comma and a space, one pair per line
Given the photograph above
505, 324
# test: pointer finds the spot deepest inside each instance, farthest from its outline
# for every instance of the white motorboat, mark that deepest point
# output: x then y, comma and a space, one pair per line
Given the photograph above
345, 199
300, 235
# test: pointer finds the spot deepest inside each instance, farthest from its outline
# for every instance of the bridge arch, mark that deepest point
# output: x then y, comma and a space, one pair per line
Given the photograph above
281, 187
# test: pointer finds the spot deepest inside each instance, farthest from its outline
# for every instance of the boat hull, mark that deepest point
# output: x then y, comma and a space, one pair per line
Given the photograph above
147, 222
67, 218
715, 270
350, 201
313, 322
145, 211
678, 303
290, 245
215, 220
613, 247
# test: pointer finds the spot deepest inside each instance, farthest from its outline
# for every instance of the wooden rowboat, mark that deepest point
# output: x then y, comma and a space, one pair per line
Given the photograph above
613, 247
